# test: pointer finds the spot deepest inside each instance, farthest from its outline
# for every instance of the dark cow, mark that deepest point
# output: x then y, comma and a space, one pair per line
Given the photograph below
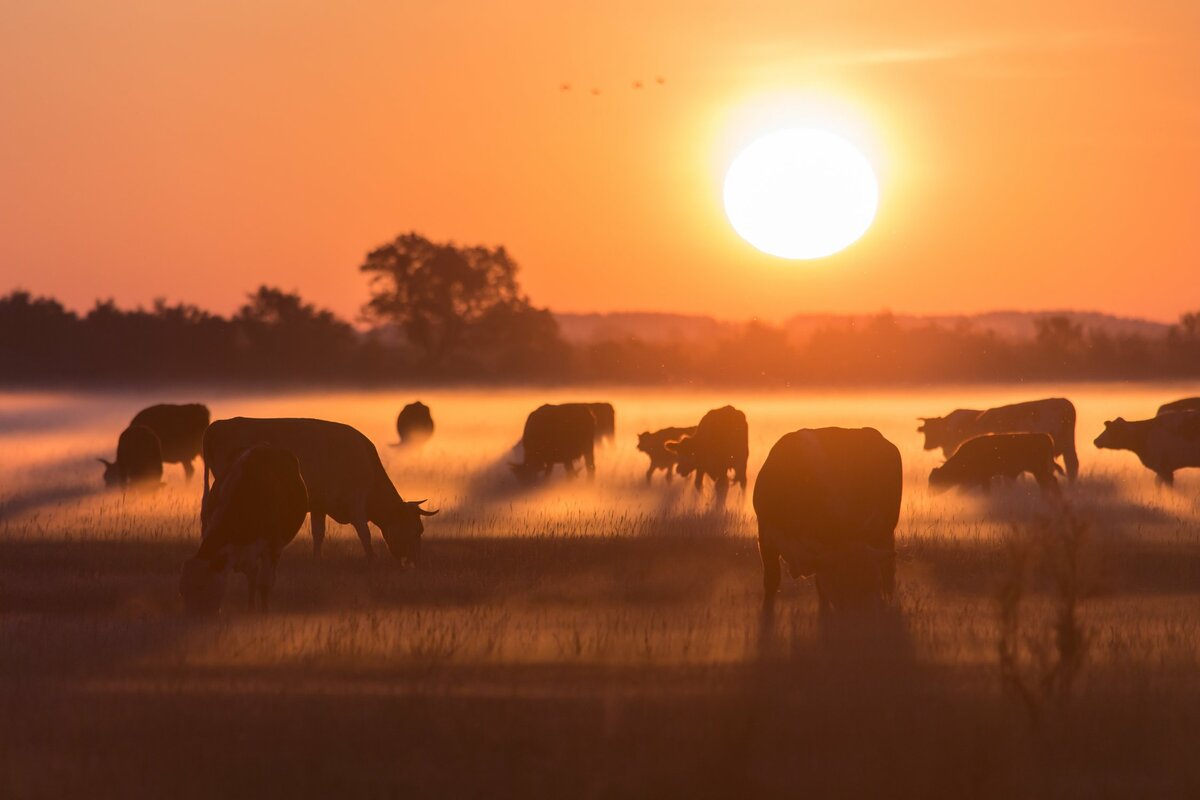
139, 459
557, 435
720, 444
255, 509
343, 473
655, 446
1163, 444
977, 461
1055, 416
827, 502
1186, 404
180, 430
414, 424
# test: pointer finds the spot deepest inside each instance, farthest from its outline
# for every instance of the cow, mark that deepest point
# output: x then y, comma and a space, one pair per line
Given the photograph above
720, 444
827, 502
1186, 404
139, 460
255, 509
414, 424
1055, 416
343, 473
977, 461
1163, 444
180, 430
557, 435
654, 445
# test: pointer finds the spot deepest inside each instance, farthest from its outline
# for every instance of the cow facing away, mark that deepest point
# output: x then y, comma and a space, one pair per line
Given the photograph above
1163, 444
720, 445
255, 509
139, 460
414, 424
606, 421
654, 445
559, 434
977, 461
1186, 404
827, 502
1055, 416
180, 430
343, 473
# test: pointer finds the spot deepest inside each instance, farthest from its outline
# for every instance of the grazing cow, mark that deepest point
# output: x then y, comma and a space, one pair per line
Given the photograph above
139, 459
343, 473
655, 446
1055, 416
180, 429
1007, 455
721, 443
1163, 444
827, 502
557, 435
414, 425
255, 509
1186, 404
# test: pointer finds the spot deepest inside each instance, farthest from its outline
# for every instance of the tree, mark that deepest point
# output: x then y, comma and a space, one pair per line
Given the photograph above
444, 298
286, 335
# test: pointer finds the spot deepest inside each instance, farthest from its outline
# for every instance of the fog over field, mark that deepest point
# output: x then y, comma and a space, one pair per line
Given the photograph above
591, 638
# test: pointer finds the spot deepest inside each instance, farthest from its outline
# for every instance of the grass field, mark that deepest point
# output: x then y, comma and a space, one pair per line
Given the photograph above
589, 639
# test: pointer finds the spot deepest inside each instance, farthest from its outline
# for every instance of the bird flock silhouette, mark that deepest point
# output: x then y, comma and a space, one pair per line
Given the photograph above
596, 91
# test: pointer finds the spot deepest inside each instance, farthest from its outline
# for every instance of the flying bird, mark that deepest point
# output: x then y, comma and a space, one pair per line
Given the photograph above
637, 84
595, 92
564, 87
660, 80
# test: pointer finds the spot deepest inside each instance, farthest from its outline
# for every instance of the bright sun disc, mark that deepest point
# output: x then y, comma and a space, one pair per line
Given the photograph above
801, 193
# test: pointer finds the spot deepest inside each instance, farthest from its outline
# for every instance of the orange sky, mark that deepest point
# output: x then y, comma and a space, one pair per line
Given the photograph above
1032, 155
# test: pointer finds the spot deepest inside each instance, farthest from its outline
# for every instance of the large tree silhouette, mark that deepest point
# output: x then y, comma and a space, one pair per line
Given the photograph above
450, 301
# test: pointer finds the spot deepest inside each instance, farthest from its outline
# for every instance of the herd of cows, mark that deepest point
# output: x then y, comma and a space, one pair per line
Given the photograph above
827, 500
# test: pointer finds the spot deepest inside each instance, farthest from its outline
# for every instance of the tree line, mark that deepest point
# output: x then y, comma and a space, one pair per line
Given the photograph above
441, 313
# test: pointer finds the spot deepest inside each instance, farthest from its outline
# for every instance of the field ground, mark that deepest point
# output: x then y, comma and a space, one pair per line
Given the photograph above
585, 639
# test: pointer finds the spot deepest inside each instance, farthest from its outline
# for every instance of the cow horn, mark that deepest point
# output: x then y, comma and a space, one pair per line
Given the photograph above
105, 462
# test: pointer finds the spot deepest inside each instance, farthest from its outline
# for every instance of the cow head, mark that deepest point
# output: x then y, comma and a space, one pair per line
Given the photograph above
850, 575
935, 430
940, 479
114, 477
645, 441
525, 471
202, 586
402, 532
1116, 435
685, 454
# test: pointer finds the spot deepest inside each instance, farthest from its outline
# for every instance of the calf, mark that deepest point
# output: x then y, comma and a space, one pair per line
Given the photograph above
256, 507
977, 461
654, 445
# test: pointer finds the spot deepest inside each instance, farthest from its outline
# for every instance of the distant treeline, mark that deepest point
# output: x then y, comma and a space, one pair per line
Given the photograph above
439, 313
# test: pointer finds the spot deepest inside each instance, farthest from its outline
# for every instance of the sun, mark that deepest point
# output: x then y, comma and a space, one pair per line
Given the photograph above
801, 193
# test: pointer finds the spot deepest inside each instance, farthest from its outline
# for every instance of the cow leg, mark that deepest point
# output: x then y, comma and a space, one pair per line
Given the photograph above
589, 459
670, 473
649, 474
739, 475
1166, 478
720, 489
317, 522
1071, 462
364, 536
699, 480
771, 575
188, 469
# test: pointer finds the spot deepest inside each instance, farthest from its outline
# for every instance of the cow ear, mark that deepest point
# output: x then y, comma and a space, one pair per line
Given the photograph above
105, 462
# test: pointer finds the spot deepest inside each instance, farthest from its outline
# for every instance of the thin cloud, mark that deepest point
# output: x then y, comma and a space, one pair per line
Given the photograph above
968, 48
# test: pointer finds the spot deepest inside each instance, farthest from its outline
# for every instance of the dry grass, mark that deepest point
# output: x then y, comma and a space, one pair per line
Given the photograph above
586, 639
